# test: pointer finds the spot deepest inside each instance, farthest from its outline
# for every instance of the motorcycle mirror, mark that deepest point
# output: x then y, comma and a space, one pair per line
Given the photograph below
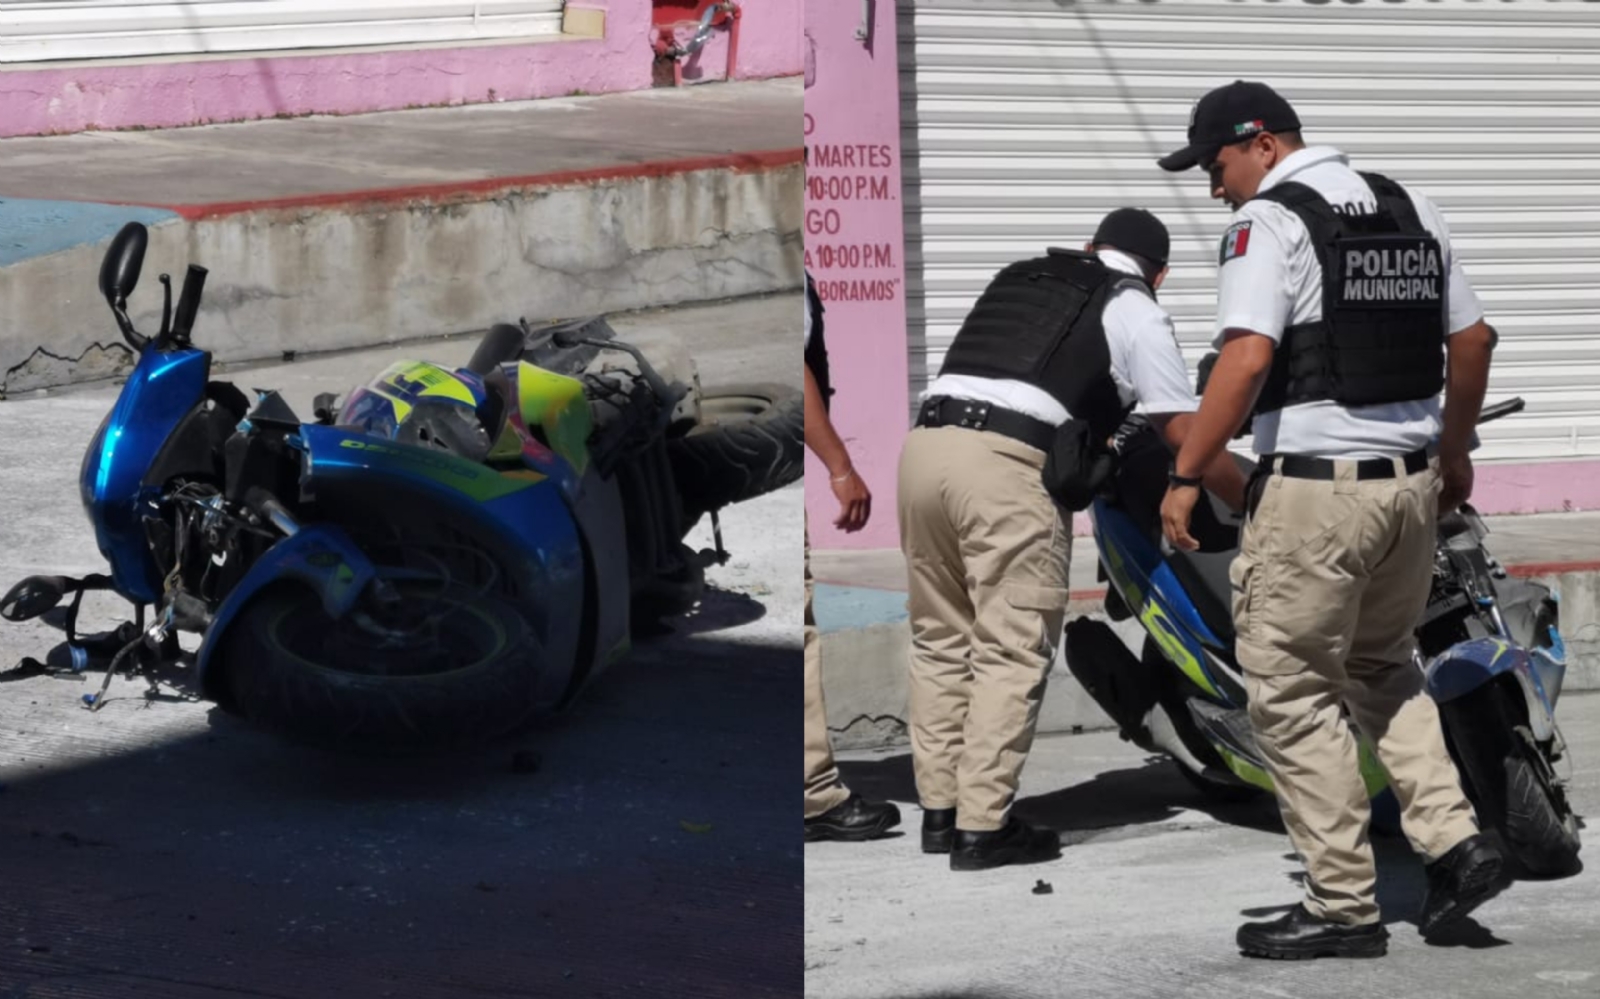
119, 271
32, 597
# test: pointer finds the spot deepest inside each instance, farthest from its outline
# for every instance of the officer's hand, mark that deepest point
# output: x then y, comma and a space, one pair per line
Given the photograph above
855, 502
1175, 512
1455, 474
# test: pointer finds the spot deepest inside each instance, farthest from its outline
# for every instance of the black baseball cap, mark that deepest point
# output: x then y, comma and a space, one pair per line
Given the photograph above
1134, 230
1231, 114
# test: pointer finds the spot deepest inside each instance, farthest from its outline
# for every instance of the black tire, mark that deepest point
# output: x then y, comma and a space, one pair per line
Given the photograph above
750, 440
1509, 782
1544, 836
290, 668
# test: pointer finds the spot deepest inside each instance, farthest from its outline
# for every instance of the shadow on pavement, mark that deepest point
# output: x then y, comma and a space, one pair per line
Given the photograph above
718, 610
1150, 793
645, 843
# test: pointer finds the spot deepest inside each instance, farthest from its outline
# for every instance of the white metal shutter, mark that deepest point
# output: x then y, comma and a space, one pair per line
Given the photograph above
1024, 122
44, 30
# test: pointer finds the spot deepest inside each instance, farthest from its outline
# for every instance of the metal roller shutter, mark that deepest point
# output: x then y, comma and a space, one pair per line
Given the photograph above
1024, 122
34, 31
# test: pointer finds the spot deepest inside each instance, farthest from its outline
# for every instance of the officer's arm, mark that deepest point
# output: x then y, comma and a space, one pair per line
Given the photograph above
821, 438
1466, 380
1222, 477
1230, 395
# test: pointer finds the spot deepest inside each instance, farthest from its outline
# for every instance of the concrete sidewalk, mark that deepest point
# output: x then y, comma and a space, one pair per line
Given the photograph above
338, 232
861, 611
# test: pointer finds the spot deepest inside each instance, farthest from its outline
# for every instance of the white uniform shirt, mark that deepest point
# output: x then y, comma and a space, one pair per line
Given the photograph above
1146, 363
1277, 282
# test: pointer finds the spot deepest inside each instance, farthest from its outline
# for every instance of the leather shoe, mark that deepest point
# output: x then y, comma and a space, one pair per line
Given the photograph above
938, 829
853, 820
1468, 875
1014, 843
1297, 935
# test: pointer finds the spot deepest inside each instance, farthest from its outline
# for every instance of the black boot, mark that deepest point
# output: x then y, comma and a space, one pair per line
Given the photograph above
938, 829
1014, 843
1298, 935
853, 820
1467, 876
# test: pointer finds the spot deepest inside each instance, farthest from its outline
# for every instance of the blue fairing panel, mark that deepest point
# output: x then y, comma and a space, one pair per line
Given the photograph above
162, 389
1140, 573
528, 507
320, 555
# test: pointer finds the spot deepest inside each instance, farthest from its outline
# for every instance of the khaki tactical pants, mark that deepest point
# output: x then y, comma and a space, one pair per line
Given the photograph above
1328, 586
824, 790
987, 554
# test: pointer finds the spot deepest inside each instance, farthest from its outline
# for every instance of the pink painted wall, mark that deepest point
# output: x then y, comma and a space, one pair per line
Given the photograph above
769, 44
855, 251
1536, 487
168, 93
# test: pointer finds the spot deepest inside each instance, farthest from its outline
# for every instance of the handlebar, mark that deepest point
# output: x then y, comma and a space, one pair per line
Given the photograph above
194, 283
1499, 409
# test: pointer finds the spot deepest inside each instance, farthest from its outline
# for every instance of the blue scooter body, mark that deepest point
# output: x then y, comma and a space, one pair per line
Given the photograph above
1143, 577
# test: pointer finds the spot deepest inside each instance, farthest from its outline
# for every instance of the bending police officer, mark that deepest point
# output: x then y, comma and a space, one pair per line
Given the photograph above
1069, 336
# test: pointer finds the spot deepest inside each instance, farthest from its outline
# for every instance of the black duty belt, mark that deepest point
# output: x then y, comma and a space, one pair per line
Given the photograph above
1298, 466
943, 411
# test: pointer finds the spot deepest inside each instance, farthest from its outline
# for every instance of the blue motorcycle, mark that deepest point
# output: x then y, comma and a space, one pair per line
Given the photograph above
1489, 645
440, 557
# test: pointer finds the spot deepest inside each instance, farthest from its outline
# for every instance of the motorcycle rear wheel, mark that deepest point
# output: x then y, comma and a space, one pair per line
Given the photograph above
750, 440
463, 678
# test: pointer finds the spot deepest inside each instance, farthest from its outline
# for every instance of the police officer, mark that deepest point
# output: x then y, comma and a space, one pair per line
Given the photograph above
832, 811
1067, 335
1339, 301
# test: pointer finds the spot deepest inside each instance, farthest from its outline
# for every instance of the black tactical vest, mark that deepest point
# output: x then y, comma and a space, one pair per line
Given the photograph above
816, 357
1384, 308
1039, 322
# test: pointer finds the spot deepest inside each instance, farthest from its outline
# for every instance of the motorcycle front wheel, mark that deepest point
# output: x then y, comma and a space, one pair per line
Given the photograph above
1510, 782
438, 665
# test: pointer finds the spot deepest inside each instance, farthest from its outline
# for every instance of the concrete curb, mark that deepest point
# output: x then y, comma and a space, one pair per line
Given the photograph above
367, 268
866, 634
